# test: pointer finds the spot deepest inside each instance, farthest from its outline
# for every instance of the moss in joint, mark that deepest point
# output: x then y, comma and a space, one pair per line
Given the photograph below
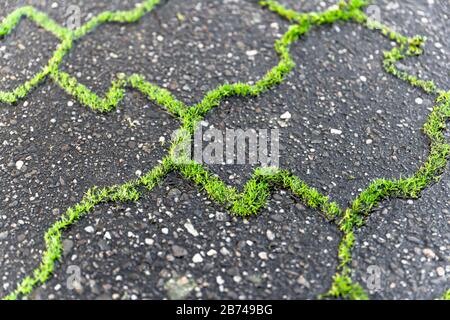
257, 190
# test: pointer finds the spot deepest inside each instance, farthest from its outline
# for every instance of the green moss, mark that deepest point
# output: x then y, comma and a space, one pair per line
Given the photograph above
257, 190
380, 189
343, 287
446, 295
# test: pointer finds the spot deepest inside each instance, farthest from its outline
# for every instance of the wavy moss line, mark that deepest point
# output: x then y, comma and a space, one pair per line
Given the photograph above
254, 196
66, 36
382, 188
189, 117
429, 173
116, 194
115, 94
257, 190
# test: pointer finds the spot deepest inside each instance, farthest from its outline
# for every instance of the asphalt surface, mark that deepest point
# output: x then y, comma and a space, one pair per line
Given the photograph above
175, 243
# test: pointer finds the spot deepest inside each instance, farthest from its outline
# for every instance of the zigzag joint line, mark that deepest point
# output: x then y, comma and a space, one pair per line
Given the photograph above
257, 190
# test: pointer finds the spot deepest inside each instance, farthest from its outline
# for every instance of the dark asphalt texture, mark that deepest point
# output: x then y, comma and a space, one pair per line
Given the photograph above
175, 243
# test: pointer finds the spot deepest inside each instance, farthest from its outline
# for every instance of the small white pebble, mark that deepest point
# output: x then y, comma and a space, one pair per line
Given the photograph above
274, 25
335, 131
224, 251
19, 164
419, 100
190, 228
263, 256
220, 280
429, 253
286, 115
89, 229
197, 258
363, 78
440, 271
